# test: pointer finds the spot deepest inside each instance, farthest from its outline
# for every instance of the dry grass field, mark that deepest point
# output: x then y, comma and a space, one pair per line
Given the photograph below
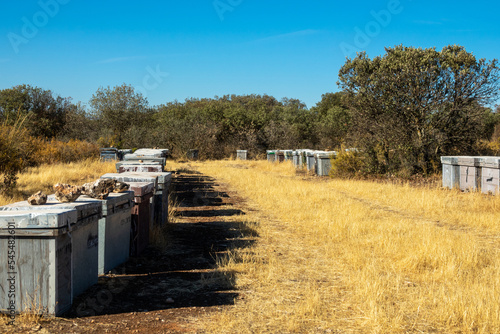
344, 256
337, 256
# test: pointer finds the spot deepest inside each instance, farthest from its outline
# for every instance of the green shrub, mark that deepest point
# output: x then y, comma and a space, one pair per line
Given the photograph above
347, 164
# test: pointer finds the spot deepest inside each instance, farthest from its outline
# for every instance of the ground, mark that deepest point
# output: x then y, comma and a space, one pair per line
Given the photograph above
168, 289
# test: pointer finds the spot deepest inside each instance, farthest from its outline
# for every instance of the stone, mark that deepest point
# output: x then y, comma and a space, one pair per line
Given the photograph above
67, 193
101, 188
121, 187
38, 198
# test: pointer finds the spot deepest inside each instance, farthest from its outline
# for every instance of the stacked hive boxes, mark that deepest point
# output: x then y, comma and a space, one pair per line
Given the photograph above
271, 155
323, 162
471, 173
114, 229
310, 161
137, 166
241, 154
121, 153
296, 158
490, 175
39, 270
109, 154
113, 225
147, 165
148, 155
303, 157
141, 216
451, 172
159, 200
317, 162
280, 156
57, 250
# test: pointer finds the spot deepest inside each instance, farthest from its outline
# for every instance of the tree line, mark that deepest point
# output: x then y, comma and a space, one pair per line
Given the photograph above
121, 117
401, 110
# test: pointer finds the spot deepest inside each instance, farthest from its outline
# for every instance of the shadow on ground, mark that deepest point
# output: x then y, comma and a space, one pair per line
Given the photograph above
184, 273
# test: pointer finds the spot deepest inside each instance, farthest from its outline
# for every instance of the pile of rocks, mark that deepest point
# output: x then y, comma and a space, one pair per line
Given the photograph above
65, 193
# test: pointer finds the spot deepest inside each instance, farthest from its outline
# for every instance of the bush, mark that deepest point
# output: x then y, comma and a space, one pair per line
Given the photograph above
19, 150
347, 164
14, 157
55, 151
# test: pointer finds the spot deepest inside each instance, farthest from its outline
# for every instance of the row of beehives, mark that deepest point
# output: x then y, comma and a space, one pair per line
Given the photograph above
51, 253
471, 173
160, 155
318, 162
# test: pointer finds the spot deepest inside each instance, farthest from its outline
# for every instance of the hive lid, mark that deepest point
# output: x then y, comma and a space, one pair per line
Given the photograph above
140, 168
469, 161
163, 177
111, 203
449, 160
327, 155
138, 163
84, 209
142, 188
109, 149
490, 162
151, 153
134, 157
133, 177
49, 219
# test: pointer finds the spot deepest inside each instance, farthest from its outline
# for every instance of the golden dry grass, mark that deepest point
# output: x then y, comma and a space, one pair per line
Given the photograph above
45, 176
343, 256
359, 257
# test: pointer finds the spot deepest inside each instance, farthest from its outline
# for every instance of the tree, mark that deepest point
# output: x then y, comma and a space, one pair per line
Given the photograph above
332, 120
44, 113
79, 124
117, 109
411, 105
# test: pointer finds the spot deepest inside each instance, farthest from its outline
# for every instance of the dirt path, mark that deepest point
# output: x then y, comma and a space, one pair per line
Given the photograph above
165, 290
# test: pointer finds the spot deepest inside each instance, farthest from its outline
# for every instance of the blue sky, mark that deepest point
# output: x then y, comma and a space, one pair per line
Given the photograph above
173, 50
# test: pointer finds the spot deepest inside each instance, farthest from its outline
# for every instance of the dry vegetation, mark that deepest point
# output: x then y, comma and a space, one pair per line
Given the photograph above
45, 176
353, 256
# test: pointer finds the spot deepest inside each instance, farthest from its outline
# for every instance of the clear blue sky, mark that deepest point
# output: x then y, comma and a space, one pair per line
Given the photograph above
180, 49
